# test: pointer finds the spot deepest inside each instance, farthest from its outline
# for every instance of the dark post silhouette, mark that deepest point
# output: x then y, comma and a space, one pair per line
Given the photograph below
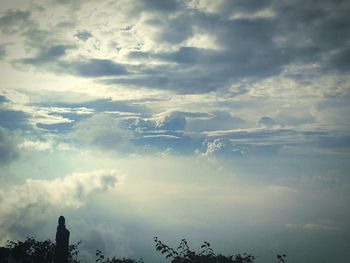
62, 241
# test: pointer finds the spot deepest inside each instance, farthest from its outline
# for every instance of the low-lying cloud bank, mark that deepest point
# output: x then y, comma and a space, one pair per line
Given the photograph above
234, 204
24, 204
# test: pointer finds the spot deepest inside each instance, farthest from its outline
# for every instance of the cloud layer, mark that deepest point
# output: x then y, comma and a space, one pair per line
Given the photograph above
24, 204
229, 117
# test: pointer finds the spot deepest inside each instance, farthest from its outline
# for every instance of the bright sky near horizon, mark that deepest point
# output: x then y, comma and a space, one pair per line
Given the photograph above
225, 121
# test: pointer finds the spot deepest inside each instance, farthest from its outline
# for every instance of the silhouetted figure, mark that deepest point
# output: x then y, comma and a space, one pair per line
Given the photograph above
62, 241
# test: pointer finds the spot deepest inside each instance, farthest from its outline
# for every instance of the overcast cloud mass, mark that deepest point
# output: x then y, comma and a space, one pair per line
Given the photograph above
224, 120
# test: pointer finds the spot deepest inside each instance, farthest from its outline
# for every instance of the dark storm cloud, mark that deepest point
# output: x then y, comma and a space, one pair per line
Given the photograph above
159, 5
252, 47
202, 70
324, 25
96, 68
173, 30
8, 147
13, 21
47, 55
267, 122
52, 59
186, 83
247, 50
83, 35
340, 60
245, 6
197, 68
316, 33
247, 34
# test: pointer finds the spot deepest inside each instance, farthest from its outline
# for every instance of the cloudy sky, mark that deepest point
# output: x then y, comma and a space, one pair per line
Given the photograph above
225, 121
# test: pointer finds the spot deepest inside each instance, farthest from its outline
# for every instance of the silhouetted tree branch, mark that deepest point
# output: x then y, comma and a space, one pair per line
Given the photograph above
34, 251
183, 254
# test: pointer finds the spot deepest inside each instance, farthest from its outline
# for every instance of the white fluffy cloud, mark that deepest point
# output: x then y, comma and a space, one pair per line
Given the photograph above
220, 147
36, 199
102, 131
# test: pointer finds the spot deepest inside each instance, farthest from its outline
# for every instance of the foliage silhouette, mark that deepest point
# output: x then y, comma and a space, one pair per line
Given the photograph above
281, 258
100, 258
34, 251
183, 254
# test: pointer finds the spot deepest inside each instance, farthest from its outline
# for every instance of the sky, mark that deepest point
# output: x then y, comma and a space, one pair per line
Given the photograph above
224, 121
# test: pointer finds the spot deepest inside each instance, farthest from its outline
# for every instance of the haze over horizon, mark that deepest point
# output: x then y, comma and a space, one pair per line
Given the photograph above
225, 121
